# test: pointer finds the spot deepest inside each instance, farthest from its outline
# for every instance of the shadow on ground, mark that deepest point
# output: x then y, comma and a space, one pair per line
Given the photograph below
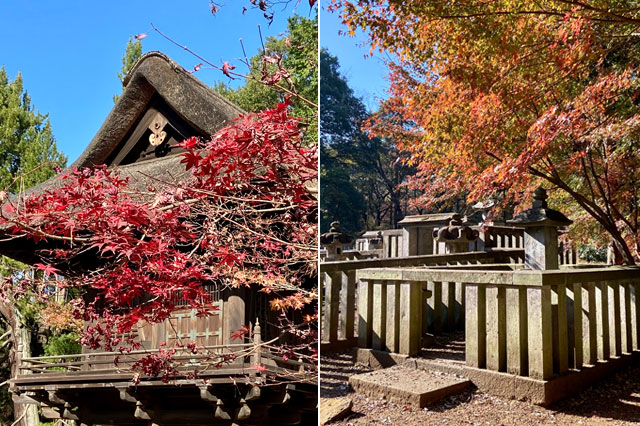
617, 398
612, 402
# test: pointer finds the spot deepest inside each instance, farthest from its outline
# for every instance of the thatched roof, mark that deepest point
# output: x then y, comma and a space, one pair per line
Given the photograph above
155, 73
153, 77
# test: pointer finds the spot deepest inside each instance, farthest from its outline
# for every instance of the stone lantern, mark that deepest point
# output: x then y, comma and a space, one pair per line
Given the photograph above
334, 240
540, 232
456, 236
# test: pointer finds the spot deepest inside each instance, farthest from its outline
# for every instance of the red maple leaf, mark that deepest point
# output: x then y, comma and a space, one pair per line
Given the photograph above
226, 68
190, 159
239, 334
48, 269
189, 143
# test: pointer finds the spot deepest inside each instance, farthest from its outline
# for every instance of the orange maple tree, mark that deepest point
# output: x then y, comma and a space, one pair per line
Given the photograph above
499, 97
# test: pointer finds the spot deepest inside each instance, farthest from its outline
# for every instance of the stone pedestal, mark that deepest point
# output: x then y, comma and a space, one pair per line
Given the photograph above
541, 247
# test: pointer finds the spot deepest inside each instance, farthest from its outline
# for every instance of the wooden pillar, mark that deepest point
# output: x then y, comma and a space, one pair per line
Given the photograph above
634, 287
626, 317
589, 324
437, 307
578, 339
333, 286
614, 319
379, 314
349, 308
559, 327
392, 341
602, 304
496, 328
234, 312
410, 315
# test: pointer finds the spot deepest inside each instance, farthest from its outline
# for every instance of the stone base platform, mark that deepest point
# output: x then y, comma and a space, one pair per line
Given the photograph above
408, 385
539, 392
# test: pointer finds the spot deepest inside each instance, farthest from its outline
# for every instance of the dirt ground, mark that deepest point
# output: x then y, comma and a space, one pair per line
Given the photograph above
615, 402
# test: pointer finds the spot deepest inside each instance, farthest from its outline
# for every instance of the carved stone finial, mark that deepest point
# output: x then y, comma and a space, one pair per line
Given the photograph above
335, 236
540, 198
457, 235
540, 214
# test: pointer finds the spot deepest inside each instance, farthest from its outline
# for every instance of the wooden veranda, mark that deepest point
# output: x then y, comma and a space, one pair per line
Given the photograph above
255, 385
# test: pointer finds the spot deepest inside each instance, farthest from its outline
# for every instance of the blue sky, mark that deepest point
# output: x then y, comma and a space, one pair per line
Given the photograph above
69, 52
367, 77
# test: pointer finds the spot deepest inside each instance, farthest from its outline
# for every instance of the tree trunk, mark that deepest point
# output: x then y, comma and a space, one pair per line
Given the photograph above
615, 256
620, 253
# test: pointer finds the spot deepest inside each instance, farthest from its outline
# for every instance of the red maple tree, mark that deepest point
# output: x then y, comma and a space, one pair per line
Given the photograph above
134, 252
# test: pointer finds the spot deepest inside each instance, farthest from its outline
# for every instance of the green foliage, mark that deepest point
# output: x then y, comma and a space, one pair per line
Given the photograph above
63, 344
360, 176
592, 253
299, 51
132, 53
29, 310
339, 199
27, 145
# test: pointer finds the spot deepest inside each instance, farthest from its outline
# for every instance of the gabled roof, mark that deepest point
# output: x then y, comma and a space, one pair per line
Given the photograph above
155, 74
155, 86
155, 83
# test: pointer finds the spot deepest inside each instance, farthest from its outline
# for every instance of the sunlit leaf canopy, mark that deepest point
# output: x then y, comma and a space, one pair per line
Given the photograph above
495, 98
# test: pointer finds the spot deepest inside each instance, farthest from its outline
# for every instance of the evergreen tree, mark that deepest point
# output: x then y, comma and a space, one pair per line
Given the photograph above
359, 175
298, 49
28, 156
27, 145
131, 55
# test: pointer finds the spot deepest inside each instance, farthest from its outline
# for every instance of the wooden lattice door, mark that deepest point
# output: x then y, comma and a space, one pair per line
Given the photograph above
186, 325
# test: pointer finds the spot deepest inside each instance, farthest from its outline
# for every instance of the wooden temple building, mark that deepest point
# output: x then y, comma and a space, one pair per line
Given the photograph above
162, 101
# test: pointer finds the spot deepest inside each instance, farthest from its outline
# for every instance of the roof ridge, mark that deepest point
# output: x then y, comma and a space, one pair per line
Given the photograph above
176, 67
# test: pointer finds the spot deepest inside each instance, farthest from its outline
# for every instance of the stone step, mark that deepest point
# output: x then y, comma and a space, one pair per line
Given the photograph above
409, 386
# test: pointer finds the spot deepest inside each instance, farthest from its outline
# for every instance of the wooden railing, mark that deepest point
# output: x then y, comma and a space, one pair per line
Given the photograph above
249, 358
118, 361
530, 323
359, 255
339, 287
567, 254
